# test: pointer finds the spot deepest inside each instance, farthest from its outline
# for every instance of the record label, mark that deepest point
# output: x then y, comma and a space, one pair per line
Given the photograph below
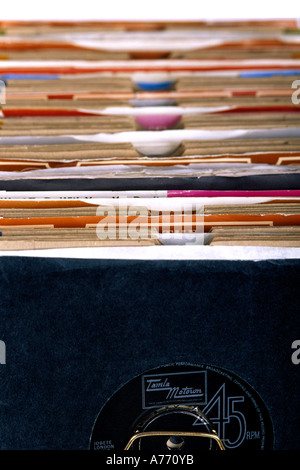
183, 407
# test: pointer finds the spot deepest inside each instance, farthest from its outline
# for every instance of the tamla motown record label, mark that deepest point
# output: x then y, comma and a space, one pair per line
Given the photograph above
183, 407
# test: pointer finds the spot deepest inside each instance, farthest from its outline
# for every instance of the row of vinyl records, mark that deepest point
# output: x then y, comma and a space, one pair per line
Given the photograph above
149, 133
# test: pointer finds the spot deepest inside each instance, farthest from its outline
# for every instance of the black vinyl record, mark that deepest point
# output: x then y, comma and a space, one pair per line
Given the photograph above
280, 181
184, 407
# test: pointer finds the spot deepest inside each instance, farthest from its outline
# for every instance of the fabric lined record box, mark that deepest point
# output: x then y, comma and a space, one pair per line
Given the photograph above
78, 331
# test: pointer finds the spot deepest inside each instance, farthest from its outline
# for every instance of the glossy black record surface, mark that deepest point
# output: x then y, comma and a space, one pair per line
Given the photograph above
184, 399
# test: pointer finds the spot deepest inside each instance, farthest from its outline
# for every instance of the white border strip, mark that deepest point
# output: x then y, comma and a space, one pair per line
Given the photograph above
188, 252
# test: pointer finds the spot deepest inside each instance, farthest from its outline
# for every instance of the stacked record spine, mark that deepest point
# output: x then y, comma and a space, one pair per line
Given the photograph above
134, 134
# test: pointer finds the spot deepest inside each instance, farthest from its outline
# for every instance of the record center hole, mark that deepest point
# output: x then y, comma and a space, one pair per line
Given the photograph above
175, 442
